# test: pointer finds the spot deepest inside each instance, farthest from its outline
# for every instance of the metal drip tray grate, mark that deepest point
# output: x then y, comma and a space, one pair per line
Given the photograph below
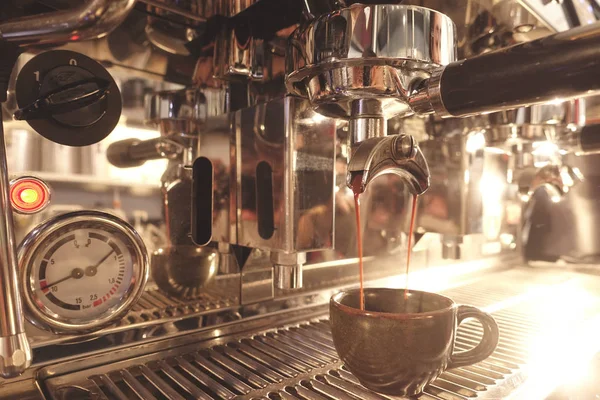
155, 306
299, 361
295, 362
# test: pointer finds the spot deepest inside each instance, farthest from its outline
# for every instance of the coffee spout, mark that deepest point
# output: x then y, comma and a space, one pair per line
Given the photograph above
397, 154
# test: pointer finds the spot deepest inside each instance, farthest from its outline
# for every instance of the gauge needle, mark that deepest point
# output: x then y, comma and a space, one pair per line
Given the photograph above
76, 273
92, 270
104, 258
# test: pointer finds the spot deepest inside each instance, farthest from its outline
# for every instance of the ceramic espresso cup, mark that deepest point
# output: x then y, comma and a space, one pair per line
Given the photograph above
397, 346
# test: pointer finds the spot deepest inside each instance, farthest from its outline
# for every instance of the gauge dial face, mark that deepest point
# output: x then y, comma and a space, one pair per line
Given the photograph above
82, 270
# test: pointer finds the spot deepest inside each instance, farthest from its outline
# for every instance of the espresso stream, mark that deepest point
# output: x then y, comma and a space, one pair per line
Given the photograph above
357, 189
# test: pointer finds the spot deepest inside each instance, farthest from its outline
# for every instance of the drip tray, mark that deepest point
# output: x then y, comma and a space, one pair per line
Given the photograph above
538, 312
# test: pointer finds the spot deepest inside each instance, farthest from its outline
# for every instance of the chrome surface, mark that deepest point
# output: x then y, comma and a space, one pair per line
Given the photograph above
288, 269
182, 271
134, 152
378, 52
361, 65
180, 268
300, 149
59, 158
182, 112
156, 315
15, 353
36, 312
23, 149
88, 20
427, 97
388, 155
454, 204
285, 135
540, 122
295, 357
237, 58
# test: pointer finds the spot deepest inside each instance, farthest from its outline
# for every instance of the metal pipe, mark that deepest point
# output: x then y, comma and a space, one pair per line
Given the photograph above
560, 66
15, 352
134, 152
89, 20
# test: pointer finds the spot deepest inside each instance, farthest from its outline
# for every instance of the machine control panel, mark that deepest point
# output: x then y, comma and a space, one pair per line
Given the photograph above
68, 98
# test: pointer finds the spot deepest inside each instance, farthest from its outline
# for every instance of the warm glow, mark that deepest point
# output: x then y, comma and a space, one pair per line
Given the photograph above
475, 141
573, 340
544, 152
29, 195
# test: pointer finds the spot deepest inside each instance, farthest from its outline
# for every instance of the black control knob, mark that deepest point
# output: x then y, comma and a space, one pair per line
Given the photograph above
68, 98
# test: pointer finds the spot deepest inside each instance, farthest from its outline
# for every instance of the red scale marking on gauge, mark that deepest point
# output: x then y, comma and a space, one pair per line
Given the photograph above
44, 287
97, 303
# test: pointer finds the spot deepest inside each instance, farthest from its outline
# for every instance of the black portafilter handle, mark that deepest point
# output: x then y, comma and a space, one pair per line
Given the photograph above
559, 66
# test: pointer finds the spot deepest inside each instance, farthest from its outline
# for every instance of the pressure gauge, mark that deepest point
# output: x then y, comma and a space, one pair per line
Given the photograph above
81, 271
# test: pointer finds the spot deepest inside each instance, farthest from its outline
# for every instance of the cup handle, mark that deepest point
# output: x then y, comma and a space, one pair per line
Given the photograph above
488, 343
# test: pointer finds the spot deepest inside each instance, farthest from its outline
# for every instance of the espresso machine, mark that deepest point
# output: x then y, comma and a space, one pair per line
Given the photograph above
265, 115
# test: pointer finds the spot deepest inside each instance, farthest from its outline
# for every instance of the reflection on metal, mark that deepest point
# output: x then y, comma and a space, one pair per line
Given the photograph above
288, 269
183, 271
296, 356
397, 155
280, 187
550, 121
181, 268
300, 152
87, 20
347, 55
15, 353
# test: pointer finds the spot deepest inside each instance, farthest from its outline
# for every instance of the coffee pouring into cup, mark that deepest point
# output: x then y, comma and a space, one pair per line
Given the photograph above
399, 344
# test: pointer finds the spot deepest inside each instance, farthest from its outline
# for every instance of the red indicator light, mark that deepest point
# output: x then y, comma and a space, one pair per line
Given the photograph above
29, 195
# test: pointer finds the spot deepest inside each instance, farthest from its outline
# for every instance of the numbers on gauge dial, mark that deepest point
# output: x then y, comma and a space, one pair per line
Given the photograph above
82, 273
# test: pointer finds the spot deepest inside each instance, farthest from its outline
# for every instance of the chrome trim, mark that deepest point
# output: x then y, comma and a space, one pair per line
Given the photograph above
90, 20
15, 353
348, 55
30, 245
434, 93
427, 99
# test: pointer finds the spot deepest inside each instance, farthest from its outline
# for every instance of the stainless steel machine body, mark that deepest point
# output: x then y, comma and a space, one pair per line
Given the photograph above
268, 112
